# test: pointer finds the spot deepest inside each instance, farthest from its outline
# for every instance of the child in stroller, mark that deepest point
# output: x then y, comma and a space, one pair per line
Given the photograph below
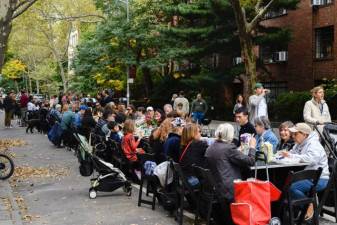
109, 178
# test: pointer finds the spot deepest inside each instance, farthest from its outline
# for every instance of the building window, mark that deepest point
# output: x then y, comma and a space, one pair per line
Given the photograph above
273, 55
321, 2
324, 38
276, 88
276, 13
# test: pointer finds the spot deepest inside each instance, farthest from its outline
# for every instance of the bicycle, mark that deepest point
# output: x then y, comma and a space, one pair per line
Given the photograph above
6, 167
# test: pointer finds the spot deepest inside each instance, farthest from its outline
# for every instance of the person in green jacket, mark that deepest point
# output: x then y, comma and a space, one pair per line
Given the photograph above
198, 109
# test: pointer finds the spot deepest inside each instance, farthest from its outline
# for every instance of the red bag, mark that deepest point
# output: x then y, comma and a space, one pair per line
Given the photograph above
252, 199
242, 213
258, 194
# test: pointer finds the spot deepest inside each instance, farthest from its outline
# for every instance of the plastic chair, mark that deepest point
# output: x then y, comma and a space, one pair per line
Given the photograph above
289, 205
183, 188
330, 193
151, 182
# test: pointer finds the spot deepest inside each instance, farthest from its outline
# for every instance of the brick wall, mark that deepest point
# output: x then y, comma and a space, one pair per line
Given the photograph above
302, 69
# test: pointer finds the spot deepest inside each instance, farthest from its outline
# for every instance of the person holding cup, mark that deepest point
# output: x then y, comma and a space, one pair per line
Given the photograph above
257, 104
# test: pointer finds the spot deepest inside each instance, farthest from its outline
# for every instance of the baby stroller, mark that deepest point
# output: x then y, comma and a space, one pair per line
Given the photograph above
329, 138
108, 179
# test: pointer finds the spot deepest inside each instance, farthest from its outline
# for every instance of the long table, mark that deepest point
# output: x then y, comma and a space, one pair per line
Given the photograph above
261, 165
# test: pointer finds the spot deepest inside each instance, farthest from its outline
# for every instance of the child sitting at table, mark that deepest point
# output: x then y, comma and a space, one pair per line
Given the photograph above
114, 131
129, 144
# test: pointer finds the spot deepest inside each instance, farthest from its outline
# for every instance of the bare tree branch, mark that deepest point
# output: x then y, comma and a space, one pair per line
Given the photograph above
259, 15
22, 7
72, 18
257, 6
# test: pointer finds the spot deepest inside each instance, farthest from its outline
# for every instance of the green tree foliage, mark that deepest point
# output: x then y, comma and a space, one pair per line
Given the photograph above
117, 43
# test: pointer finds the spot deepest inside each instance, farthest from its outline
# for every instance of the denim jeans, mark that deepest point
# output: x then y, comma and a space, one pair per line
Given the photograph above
198, 116
299, 189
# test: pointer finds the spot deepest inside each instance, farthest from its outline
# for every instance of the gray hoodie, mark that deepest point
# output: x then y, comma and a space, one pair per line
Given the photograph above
312, 151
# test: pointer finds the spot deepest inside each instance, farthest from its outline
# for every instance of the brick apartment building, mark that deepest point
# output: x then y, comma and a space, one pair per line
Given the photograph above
309, 57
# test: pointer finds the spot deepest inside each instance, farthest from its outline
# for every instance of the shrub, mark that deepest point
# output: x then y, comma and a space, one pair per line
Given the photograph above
289, 106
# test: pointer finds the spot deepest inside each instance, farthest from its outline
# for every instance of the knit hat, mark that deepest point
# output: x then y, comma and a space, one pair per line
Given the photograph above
83, 107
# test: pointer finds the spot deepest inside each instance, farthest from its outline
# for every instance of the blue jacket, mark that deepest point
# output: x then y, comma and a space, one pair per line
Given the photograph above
172, 146
67, 120
78, 120
268, 136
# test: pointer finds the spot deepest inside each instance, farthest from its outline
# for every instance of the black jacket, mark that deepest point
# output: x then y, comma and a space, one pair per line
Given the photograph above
9, 104
194, 154
285, 145
225, 163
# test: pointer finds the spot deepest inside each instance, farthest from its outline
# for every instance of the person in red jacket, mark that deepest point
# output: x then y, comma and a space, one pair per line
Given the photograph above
129, 144
23, 106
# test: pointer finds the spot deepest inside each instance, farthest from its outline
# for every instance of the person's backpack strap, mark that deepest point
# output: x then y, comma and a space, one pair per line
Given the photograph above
184, 152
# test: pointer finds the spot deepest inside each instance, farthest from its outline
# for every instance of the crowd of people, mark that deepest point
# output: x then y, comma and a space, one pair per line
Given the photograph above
174, 132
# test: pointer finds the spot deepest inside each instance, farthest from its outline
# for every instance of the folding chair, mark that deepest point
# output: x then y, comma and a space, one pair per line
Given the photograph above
289, 205
151, 182
183, 188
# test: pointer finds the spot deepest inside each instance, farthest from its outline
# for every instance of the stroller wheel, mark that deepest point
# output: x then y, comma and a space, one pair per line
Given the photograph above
275, 221
127, 189
92, 193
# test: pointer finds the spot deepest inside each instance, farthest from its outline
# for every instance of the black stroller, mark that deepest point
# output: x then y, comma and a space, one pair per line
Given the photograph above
329, 197
329, 139
108, 179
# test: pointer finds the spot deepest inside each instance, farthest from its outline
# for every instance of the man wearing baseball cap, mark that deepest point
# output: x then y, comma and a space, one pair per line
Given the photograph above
257, 105
308, 149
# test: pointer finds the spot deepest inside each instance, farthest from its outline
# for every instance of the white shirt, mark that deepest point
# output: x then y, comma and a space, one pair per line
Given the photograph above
32, 107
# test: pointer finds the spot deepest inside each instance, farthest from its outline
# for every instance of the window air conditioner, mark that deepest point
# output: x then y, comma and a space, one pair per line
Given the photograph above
316, 2
237, 60
281, 56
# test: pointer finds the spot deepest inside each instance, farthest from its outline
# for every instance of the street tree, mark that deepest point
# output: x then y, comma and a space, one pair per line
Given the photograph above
248, 15
9, 10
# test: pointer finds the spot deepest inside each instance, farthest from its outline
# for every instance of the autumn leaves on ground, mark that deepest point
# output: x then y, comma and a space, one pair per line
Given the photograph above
26, 173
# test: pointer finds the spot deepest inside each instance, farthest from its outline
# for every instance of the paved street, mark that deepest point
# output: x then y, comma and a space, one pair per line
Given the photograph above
62, 198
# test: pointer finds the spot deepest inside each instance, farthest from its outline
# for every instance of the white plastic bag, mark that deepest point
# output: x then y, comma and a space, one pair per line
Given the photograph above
163, 170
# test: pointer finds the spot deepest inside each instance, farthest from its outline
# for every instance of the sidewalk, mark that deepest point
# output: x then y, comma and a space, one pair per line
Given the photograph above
9, 211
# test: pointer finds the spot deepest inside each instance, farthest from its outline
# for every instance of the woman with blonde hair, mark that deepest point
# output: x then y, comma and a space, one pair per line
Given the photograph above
193, 151
158, 138
316, 111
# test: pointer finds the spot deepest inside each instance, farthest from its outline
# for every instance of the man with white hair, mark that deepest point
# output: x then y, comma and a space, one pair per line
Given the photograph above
226, 162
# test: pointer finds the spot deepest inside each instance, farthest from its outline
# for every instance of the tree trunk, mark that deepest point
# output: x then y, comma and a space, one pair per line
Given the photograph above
30, 85
248, 54
16, 86
37, 86
148, 84
6, 13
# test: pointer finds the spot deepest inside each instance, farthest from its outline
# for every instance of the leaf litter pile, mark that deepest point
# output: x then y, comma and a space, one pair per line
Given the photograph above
5, 144
26, 173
